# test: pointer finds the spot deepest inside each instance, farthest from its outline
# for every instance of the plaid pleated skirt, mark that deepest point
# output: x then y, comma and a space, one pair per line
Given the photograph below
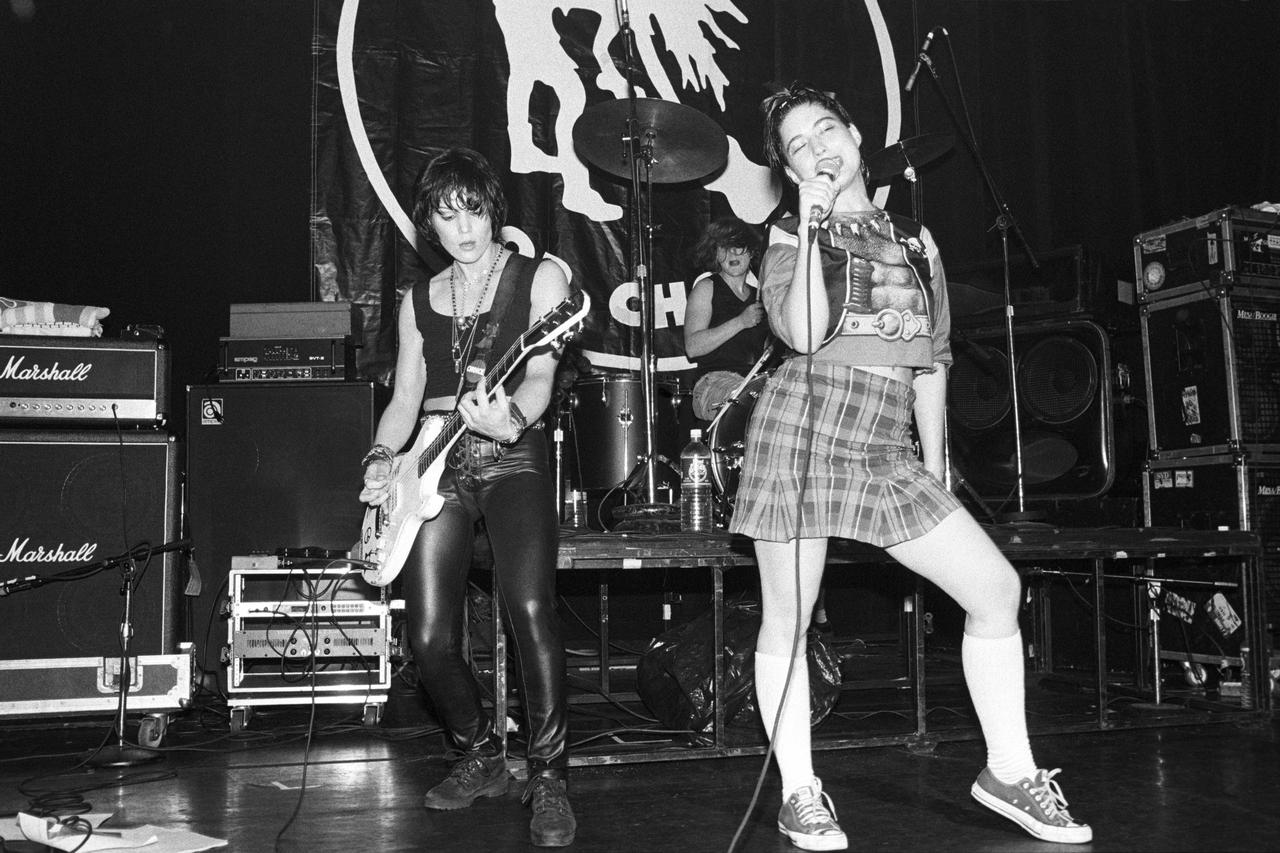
864, 480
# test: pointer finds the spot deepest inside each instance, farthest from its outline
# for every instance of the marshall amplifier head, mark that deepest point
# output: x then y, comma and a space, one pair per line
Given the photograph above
84, 381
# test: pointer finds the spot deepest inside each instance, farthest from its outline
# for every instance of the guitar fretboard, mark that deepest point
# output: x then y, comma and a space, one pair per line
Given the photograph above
453, 423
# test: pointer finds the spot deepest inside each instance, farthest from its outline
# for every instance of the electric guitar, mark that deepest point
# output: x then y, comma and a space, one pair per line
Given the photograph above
390, 528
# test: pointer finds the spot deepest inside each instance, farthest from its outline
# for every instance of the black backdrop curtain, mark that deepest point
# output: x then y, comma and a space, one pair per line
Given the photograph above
168, 159
1096, 121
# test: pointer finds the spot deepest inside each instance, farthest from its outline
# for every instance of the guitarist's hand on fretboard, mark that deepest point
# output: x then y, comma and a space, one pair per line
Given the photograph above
377, 482
488, 417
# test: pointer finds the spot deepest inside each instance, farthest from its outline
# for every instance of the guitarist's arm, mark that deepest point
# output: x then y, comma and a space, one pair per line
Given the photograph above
493, 417
401, 415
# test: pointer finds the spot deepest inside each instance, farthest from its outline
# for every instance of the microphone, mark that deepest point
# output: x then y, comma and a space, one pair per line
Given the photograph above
624, 15
920, 57
828, 171
19, 584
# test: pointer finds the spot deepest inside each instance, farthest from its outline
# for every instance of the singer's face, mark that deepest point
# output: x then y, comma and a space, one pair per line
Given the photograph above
816, 140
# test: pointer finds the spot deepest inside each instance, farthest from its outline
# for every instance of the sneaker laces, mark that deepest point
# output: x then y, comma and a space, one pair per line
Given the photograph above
1049, 795
814, 808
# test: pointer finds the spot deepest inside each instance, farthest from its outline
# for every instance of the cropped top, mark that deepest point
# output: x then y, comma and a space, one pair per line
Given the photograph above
886, 289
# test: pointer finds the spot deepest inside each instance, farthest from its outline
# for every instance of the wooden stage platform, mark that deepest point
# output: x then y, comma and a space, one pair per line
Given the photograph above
1140, 565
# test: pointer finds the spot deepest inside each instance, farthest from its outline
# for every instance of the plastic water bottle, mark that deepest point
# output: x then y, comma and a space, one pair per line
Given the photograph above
695, 485
1246, 679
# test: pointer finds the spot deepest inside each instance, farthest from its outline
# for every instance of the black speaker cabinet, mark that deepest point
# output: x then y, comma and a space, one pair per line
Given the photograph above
269, 466
72, 498
1213, 367
1212, 492
1064, 374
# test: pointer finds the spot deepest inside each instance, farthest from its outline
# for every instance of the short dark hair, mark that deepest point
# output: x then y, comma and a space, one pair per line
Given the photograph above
466, 174
728, 232
775, 109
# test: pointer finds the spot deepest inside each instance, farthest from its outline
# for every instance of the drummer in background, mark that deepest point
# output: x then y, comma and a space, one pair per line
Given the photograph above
723, 331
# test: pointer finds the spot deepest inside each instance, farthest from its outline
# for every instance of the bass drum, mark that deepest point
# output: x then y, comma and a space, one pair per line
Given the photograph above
727, 438
608, 426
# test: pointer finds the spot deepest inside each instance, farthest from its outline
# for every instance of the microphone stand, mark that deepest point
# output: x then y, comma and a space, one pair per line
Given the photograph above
121, 754
1005, 222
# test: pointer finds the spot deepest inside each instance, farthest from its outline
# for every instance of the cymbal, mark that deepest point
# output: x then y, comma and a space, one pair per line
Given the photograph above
686, 144
908, 155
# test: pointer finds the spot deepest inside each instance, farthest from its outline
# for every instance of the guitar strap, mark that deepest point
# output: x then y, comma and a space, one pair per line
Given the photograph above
516, 282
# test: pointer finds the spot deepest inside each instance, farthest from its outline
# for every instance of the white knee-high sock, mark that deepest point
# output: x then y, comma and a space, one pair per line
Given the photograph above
994, 671
791, 745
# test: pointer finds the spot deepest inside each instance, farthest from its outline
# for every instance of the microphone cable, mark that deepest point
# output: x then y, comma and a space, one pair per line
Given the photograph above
797, 633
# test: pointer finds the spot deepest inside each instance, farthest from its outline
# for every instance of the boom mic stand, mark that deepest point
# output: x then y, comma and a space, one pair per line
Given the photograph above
121, 754
1005, 222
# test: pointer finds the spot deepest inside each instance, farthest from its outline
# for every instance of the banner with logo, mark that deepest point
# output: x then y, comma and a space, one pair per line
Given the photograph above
397, 82
1081, 120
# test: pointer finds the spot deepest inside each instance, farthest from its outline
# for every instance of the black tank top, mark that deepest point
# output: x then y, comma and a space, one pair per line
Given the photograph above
741, 351
437, 336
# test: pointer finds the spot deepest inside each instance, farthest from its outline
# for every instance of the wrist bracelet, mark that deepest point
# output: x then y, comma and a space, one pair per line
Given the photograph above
518, 420
376, 453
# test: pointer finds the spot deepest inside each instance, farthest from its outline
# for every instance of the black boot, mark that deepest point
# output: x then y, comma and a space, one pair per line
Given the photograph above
553, 823
473, 777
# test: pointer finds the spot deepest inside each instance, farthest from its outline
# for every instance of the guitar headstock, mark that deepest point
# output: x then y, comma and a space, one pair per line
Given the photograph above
560, 322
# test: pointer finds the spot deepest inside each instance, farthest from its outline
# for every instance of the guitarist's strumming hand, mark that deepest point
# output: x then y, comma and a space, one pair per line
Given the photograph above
490, 418
377, 482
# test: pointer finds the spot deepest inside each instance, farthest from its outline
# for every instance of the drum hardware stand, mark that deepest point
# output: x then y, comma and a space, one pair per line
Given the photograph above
1004, 222
662, 142
638, 152
557, 438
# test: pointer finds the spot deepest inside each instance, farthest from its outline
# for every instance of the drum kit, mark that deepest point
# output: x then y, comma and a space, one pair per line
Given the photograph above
628, 428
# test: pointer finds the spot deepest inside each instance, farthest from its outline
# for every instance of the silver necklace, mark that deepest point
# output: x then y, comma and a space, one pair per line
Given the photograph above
466, 326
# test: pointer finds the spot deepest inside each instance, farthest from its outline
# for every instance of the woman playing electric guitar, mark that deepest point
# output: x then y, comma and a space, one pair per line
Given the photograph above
498, 471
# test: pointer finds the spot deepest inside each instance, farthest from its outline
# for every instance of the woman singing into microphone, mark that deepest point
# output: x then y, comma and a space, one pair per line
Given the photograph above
860, 295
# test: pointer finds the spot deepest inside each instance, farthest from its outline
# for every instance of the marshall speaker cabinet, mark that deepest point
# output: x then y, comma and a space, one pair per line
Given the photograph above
72, 498
270, 465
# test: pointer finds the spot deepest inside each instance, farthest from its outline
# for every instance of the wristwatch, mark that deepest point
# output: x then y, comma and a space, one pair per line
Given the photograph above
521, 423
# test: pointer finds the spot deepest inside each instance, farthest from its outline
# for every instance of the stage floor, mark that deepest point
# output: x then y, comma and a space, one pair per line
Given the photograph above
1187, 788
1202, 775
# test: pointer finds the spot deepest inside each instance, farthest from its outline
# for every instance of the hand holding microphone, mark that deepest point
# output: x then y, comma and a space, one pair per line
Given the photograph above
819, 192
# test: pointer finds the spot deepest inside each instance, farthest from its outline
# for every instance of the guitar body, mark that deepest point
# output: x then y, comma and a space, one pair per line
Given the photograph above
388, 530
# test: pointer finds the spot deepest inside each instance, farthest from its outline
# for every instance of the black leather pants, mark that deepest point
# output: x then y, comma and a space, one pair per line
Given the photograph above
513, 490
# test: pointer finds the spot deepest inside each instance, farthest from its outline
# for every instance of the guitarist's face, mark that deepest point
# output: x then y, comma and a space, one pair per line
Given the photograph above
465, 234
